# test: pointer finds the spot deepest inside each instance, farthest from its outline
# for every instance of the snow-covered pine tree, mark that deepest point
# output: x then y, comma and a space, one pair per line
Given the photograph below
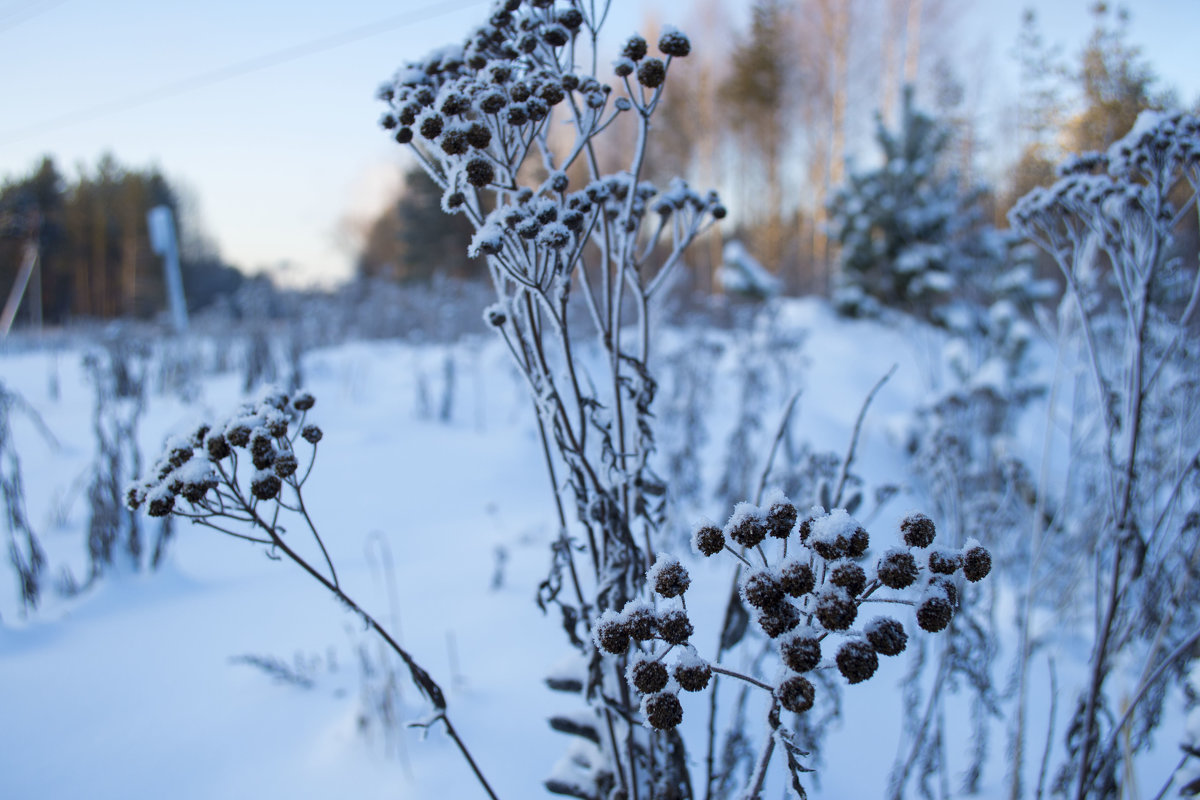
909, 235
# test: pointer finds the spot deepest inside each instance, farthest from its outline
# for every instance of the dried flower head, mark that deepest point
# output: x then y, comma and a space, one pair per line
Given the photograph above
662, 710
897, 569
796, 578
977, 563
944, 562
311, 434
647, 674
918, 530
835, 610
668, 577
265, 485
849, 576
708, 540
776, 620
781, 518
635, 48
692, 673
674, 627
303, 401
639, 620
651, 73
674, 43
761, 589
796, 694
480, 171
887, 636
934, 614
857, 661
801, 651
611, 634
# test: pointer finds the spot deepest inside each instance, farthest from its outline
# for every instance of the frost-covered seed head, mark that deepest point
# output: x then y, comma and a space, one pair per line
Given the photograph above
285, 465
519, 92
944, 562
134, 497
800, 652
311, 434
856, 660
408, 113
478, 135
858, 543
830, 550
934, 614
718, 212
431, 126
835, 610
651, 73
674, 627
977, 563
663, 710
671, 579
404, 135
455, 104
238, 435
556, 36
796, 694
761, 589
161, 504
709, 540
887, 636
480, 171
265, 485
640, 623
635, 48
749, 532
262, 451
178, 456
492, 102
496, 317
536, 108
849, 576
454, 142
624, 67
796, 578
611, 634
559, 182
527, 43
303, 401
781, 518
918, 530
217, 446
674, 43
517, 115
647, 675
897, 569
805, 528
570, 18
778, 619
693, 677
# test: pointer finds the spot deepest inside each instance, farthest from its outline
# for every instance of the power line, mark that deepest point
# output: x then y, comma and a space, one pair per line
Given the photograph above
238, 69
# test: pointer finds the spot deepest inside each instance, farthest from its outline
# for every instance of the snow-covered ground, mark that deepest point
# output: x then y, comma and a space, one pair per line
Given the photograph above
136, 687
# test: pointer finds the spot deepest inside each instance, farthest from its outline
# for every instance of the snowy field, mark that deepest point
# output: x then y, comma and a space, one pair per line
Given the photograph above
433, 498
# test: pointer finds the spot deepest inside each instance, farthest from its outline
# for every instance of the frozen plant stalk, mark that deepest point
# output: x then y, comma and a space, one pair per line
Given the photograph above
479, 118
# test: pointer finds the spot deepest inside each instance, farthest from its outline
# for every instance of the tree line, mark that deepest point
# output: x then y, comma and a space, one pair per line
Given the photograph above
94, 253
773, 115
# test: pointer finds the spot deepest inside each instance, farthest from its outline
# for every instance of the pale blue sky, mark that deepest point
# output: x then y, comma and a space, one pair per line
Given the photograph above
281, 157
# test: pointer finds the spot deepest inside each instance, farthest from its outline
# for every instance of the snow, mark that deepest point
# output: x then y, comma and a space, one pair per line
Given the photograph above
129, 690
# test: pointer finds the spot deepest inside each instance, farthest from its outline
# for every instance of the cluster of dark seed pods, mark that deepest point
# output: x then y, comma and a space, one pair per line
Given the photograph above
193, 466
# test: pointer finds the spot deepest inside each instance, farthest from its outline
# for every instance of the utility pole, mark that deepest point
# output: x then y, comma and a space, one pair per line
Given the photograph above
162, 238
29, 269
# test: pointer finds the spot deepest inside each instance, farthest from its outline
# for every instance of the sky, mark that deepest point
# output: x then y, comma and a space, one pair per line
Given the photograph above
265, 110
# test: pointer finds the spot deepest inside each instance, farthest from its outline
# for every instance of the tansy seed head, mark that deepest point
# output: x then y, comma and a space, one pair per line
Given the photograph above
849, 576
859, 541
934, 614
709, 540
161, 504
801, 651
856, 660
674, 627
761, 589
918, 530
480, 171
651, 73
778, 619
835, 610
897, 569
611, 633
887, 636
285, 465
693, 676
303, 401
781, 518
265, 485
977, 563
674, 43
668, 577
431, 126
217, 446
647, 675
238, 435
663, 710
639, 621
635, 48
311, 434
796, 578
796, 694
